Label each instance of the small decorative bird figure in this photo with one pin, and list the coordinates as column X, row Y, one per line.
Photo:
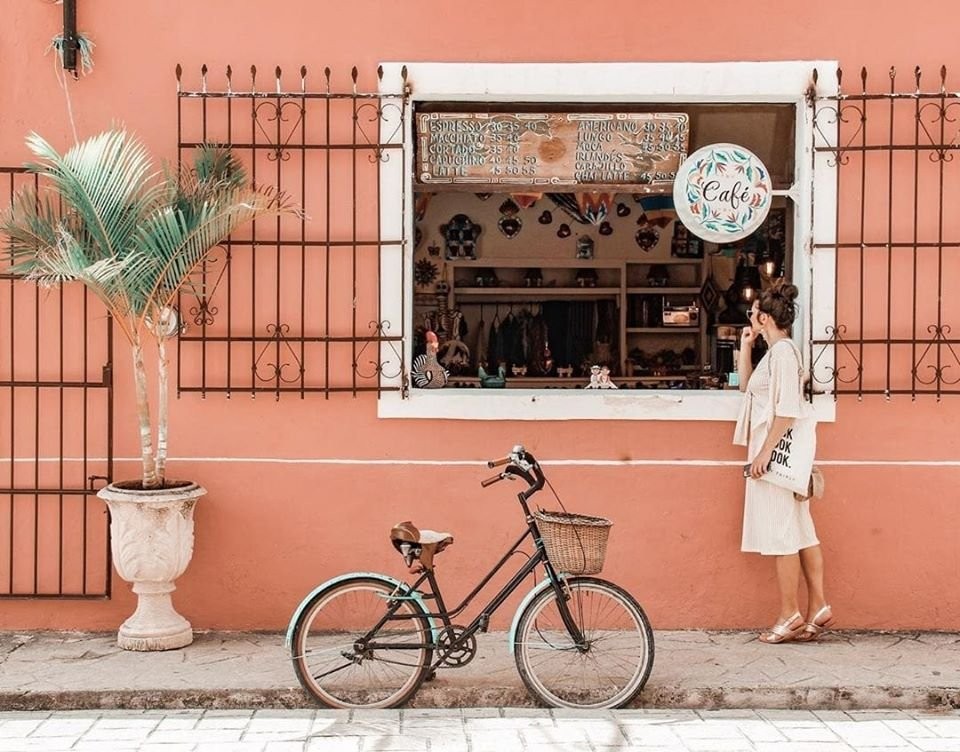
column 427, row 373
column 489, row 381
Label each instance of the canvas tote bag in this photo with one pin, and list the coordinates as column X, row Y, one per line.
column 791, row 464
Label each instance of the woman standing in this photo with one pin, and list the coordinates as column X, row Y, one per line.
column 774, row 522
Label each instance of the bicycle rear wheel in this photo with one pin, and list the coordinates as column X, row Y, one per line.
column 612, row 665
column 342, row 664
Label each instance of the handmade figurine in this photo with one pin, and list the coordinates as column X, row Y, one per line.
column 427, row 373
column 594, row 378
column 600, row 378
column 489, row 381
column 605, row 382
column 454, row 353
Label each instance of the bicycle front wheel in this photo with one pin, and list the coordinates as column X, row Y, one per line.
column 343, row 663
column 608, row 669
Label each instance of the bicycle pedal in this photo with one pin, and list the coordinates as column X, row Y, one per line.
column 431, row 675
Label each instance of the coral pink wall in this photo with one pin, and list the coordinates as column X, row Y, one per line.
column 269, row 530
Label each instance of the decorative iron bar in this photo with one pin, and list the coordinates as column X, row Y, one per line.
column 898, row 237
column 294, row 306
column 56, row 436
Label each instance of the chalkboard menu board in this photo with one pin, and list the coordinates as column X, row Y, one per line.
column 472, row 150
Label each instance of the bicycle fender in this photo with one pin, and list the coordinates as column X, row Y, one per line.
column 512, row 635
column 384, row 578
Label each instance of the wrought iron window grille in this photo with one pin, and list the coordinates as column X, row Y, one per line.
column 897, row 243
column 296, row 309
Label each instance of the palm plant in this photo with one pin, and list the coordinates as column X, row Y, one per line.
column 135, row 237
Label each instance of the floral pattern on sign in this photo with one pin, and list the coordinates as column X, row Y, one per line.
column 722, row 193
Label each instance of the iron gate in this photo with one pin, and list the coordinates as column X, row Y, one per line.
column 897, row 246
column 293, row 305
column 56, row 437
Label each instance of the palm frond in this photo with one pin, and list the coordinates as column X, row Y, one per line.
column 104, row 219
column 217, row 165
column 30, row 224
column 177, row 242
column 106, row 181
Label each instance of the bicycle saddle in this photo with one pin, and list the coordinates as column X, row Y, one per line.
column 425, row 543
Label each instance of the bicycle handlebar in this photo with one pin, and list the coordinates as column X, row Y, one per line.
column 520, row 464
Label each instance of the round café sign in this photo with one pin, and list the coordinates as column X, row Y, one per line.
column 722, row 193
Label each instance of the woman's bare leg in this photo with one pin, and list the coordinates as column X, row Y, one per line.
column 811, row 562
column 788, row 579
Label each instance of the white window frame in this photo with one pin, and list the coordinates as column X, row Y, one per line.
column 662, row 83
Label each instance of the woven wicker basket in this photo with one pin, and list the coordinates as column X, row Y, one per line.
column 575, row 543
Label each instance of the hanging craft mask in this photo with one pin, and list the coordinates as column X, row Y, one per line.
column 509, row 223
column 460, row 236
column 647, row 236
column 510, row 226
column 585, row 247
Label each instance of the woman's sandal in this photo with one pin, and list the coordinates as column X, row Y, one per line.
column 784, row 631
column 814, row 629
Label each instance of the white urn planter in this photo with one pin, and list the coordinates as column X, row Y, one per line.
column 152, row 541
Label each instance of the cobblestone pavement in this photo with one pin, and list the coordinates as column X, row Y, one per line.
column 481, row 730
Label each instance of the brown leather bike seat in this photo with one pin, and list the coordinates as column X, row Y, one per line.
column 430, row 542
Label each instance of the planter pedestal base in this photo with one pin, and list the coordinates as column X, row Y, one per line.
column 155, row 625
column 151, row 537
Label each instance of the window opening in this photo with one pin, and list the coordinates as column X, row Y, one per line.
column 527, row 285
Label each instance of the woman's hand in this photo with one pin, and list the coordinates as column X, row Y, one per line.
column 747, row 337
column 759, row 466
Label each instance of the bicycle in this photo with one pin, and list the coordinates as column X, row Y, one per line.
column 368, row 640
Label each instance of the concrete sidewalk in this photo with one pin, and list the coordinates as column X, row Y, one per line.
column 692, row 669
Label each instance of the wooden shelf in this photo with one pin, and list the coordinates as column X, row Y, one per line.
column 534, row 263
column 575, row 382
column 661, row 329
column 654, row 261
column 663, row 290
column 535, row 292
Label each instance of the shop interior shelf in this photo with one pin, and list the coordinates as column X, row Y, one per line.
column 653, row 261
column 661, row 329
column 575, row 382
column 535, row 292
column 663, row 290
column 534, row 262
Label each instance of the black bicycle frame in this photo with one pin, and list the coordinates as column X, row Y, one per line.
column 482, row 620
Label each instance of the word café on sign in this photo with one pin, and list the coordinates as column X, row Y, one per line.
column 469, row 149
column 722, row 193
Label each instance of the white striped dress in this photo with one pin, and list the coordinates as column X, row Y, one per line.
column 774, row 523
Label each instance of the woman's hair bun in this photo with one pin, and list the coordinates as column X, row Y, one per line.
column 788, row 292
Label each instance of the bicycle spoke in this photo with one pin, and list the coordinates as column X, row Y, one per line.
column 331, row 653
column 615, row 660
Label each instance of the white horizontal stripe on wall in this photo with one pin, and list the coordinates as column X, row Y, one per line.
column 474, row 463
